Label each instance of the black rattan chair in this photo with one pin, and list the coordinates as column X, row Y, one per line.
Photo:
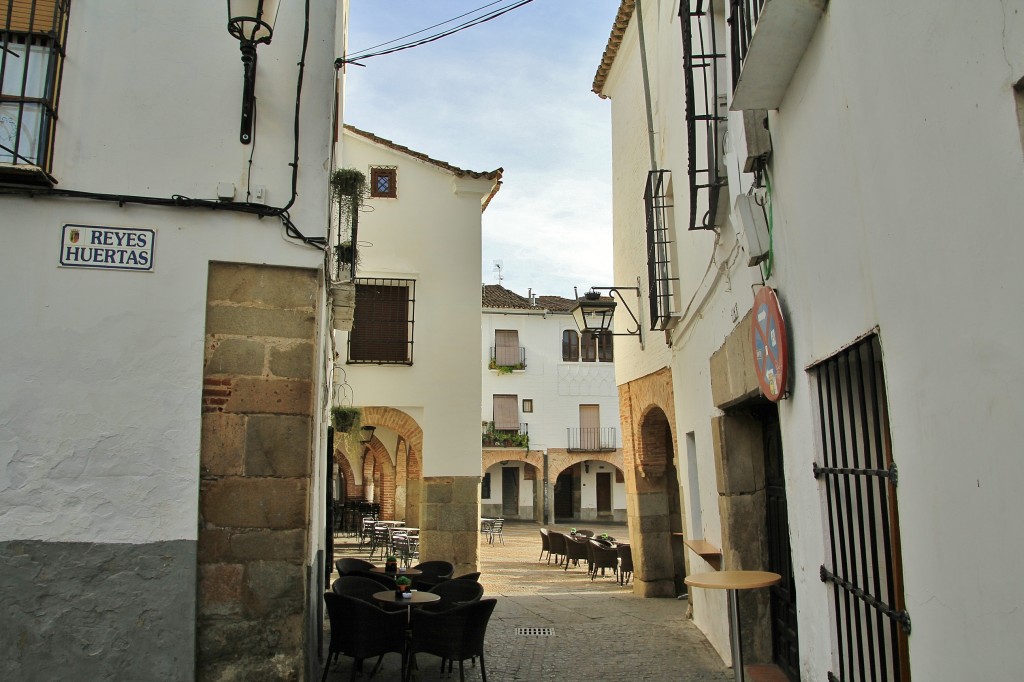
column 556, row 541
column 434, row 572
column 362, row 630
column 625, row 554
column 602, row 557
column 545, row 544
column 453, row 593
column 346, row 565
column 454, row 635
column 359, row 587
column 575, row 550
column 475, row 576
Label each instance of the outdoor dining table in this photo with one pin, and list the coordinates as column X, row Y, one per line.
column 733, row 581
column 401, row 571
column 416, row 598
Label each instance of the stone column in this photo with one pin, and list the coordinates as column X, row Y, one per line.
column 449, row 521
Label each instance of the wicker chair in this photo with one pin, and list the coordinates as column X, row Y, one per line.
column 362, row 630
column 625, row 555
column 454, row 635
column 584, row 533
column 545, row 544
column 434, row 572
column 576, row 550
column 474, row 576
column 453, row 593
column 556, row 543
column 602, row 557
column 348, row 564
column 359, row 587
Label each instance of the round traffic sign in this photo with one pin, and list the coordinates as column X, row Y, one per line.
column 769, row 344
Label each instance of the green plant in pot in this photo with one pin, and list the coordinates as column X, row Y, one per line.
column 402, row 584
column 391, row 564
column 345, row 419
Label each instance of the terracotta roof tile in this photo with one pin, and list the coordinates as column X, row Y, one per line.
column 612, row 48
column 494, row 175
column 497, row 296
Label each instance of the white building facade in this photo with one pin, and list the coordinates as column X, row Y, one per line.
column 408, row 360
column 163, row 341
column 860, row 144
column 552, row 449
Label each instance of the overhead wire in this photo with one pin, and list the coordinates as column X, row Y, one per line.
column 494, row 14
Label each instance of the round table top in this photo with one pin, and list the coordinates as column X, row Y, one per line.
column 388, row 597
column 389, row 523
column 733, row 580
column 401, row 571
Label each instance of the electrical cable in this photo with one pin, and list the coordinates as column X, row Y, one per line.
column 424, row 30
column 365, row 54
column 181, row 201
column 769, row 263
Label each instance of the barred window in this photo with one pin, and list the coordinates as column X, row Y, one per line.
column 382, row 327
column 870, row 623
column 384, row 182
column 32, row 38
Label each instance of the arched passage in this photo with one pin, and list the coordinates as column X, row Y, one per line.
column 402, row 489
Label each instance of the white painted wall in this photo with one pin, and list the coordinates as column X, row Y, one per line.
column 897, row 158
column 557, row 388
column 430, row 233
column 100, row 403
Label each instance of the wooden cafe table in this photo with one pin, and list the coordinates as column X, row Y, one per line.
column 734, row 581
column 416, row 598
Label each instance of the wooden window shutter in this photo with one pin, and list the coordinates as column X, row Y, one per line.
column 570, row 346
column 506, row 412
column 380, row 328
column 506, row 347
column 605, row 352
column 588, row 347
column 24, row 17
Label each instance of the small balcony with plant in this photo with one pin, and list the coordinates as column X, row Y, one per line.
column 505, row 438
column 506, row 360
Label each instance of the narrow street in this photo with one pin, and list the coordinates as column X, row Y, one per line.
column 588, row 630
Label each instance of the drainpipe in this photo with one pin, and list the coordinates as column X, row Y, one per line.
column 647, row 85
column 546, row 519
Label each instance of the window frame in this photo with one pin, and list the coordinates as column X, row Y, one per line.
column 570, row 345
column 29, row 97
column 364, row 323
column 389, row 172
column 588, row 347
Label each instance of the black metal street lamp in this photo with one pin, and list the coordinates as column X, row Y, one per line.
column 594, row 313
column 251, row 22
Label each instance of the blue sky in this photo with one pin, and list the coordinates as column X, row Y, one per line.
column 513, row 92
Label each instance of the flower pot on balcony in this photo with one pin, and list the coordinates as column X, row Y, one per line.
column 343, row 303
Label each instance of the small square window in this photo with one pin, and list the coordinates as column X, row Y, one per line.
column 527, row 404
column 384, row 182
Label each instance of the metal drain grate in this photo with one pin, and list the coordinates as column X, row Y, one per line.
column 535, row 632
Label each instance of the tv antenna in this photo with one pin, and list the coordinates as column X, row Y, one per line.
column 498, row 265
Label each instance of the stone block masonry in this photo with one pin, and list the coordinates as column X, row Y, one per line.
column 256, row 466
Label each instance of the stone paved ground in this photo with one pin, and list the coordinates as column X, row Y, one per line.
column 598, row 630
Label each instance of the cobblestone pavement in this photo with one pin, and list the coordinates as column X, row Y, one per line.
column 592, row 631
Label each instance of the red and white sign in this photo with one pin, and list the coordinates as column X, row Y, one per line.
column 770, row 345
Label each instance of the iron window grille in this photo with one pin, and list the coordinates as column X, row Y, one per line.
column 495, row 435
column 701, row 59
column 743, row 15
column 384, row 321
column 658, row 203
column 384, row 182
column 33, row 34
column 870, row 621
column 514, row 358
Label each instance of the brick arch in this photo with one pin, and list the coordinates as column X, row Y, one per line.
column 655, row 443
column 378, row 467
column 533, row 457
column 352, row 490
column 559, row 463
column 406, row 427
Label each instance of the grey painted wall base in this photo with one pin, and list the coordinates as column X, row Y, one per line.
column 77, row 610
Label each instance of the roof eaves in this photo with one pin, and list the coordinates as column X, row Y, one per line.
column 455, row 170
column 612, row 48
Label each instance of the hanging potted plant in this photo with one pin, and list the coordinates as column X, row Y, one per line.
column 345, row 419
column 348, row 188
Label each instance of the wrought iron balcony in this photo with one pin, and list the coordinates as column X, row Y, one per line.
column 521, row 364
column 592, row 439
column 505, row 438
column 769, row 37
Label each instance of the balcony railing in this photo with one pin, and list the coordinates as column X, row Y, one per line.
column 505, row 438
column 592, row 439
column 743, row 16
column 519, row 365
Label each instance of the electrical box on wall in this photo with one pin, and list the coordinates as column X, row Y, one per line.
column 752, row 226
